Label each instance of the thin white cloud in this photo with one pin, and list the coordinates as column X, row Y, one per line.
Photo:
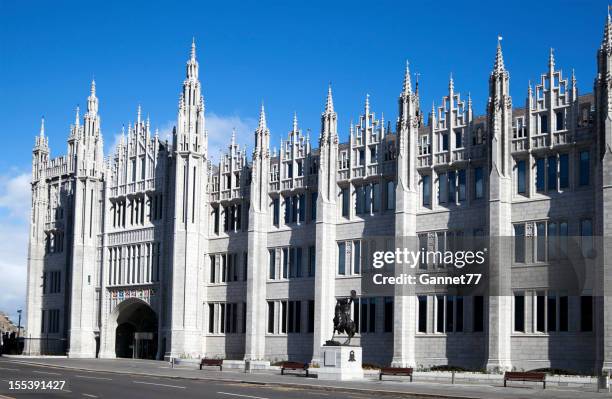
column 220, row 129
column 14, row 215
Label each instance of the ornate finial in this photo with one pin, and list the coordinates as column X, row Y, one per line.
column 351, row 129
column 295, row 122
column 42, row 126
column 499, row 58
column 77, row 117
column 367, row 104
column 233, row 136
column 262, row 118
column 551, row 59
column 139, row 114
column 407, row 82
column 451, row 83
column 416, row 84
column 573, row 77
column 193, row 48
column 607, row 37
column 329, row 105
column 469, row 100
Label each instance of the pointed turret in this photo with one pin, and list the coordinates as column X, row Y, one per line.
column 606, row 42
column 499, row 58
column 329, row 105
column 295, row 123
column 92, row 100
column 551, row 60
column 262, row 118
column 407, row 87
column 367, row 104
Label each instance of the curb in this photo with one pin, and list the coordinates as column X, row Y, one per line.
column 377, row 392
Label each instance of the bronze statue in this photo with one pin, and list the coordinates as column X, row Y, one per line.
column 342, row 319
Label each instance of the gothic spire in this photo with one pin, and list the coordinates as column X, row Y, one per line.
column 607, row 36
column 193, row 49
column 499, row 58
column 77, row 117
column 367, row 104
column 42, row 127
column 329, row 105
column 295, row 122
column 262, row 118
column 92, row 100
column 551, row 60
column 451, row 83
column 407, row 83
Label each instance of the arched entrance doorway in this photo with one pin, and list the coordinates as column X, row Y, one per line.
column 136, row 331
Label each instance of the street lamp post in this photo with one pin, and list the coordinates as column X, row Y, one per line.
column 19, row 324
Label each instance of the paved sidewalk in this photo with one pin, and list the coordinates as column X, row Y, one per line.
column 393, row 386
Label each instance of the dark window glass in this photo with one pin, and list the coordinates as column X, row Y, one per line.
column 422, row 313
column 540, row 174
column 519, row 312
column 552, row 173
column 563, row 313
column 271, row 317
column 388, row 314
column 313, row 205
column 543, row 124
column 452, row 187
column 272, row 269
column 564, row 171
column 345, row 202
column 426, row 190
column 585, row 170
column 586, row 313
column 519, row 243
column 341, row 258
column 479, row 183
column 459, row 314
column 440, row 313
column 540, row 312
column 311, row 316
column 520, row 170
column 552, row 313
column 478, row 314
column 275, row 211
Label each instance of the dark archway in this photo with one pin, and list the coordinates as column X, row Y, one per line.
column 136, row 332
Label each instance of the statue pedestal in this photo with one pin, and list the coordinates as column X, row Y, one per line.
column 340, row 363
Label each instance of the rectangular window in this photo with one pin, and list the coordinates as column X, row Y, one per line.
column 283, row 317
column 552, row 173
column 442, row 188
column 345, row 202
column 275, row 212
column 462, row 188
column 312, row 261
column 422, row 313
column 559, row 118
column 519, row 243
column 520, row 170
column 540, row 311
column 211, row 318
column 586, row 239
column 452, row 187
column 375, row 197
column 444, row 142
column 563, row 313
column 311, row 316
column 551, row 311
column 543, row 123
column 459, row 314
column 390, row 195
column 360, row 199
column 552, row 240
column 458, row 139
column 540, row 174
column 222, row 314
column 541, row 241
column 519, row 312
column 271, row 317
column 478, row 316
column 564, row 171
column 285, row 262
column 213, row 266
column 388, row 314
column 585, row 168
column 478, row 183
column 440, row 313
column 356, row 257
column 450, row 313
column 287, row 204
column 245, row 266
column 586, row 313
column 313, row 205
column 272, row 264
column 426, row 186
column 341, row 258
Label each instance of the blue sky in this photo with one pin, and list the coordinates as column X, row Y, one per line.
column 283, row 53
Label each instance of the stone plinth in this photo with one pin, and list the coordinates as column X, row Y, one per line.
column 340, row 363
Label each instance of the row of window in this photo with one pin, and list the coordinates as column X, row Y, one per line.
column 288, row 262
column 134, row 211
column 295, row 208
column 550, row 312
column 545, row 241
column 232, row 218
column 452, row 186
column 134, row 264
column 552, row 173
column 225, row 267
column 449, row 314
column 50, row 321
column 368, row 198
column 223, row 318
column 54, row 242
column 52, row 282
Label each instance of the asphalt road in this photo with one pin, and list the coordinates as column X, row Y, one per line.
column 82, row 384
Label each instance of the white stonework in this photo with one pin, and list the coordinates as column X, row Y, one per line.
column 340, row 363
column 241, row 260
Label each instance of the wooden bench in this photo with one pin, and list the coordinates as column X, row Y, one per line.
column 525, row 376
column 407, row 371
column 212, row 362
column 294, row 366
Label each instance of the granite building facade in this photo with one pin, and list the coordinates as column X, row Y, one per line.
column 157, row 252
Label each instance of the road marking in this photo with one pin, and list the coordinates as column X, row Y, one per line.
column 242, row 396
column 6, row 368
column 161, row 385
column 94, row 378
column 89, row 396
column 45, row 372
